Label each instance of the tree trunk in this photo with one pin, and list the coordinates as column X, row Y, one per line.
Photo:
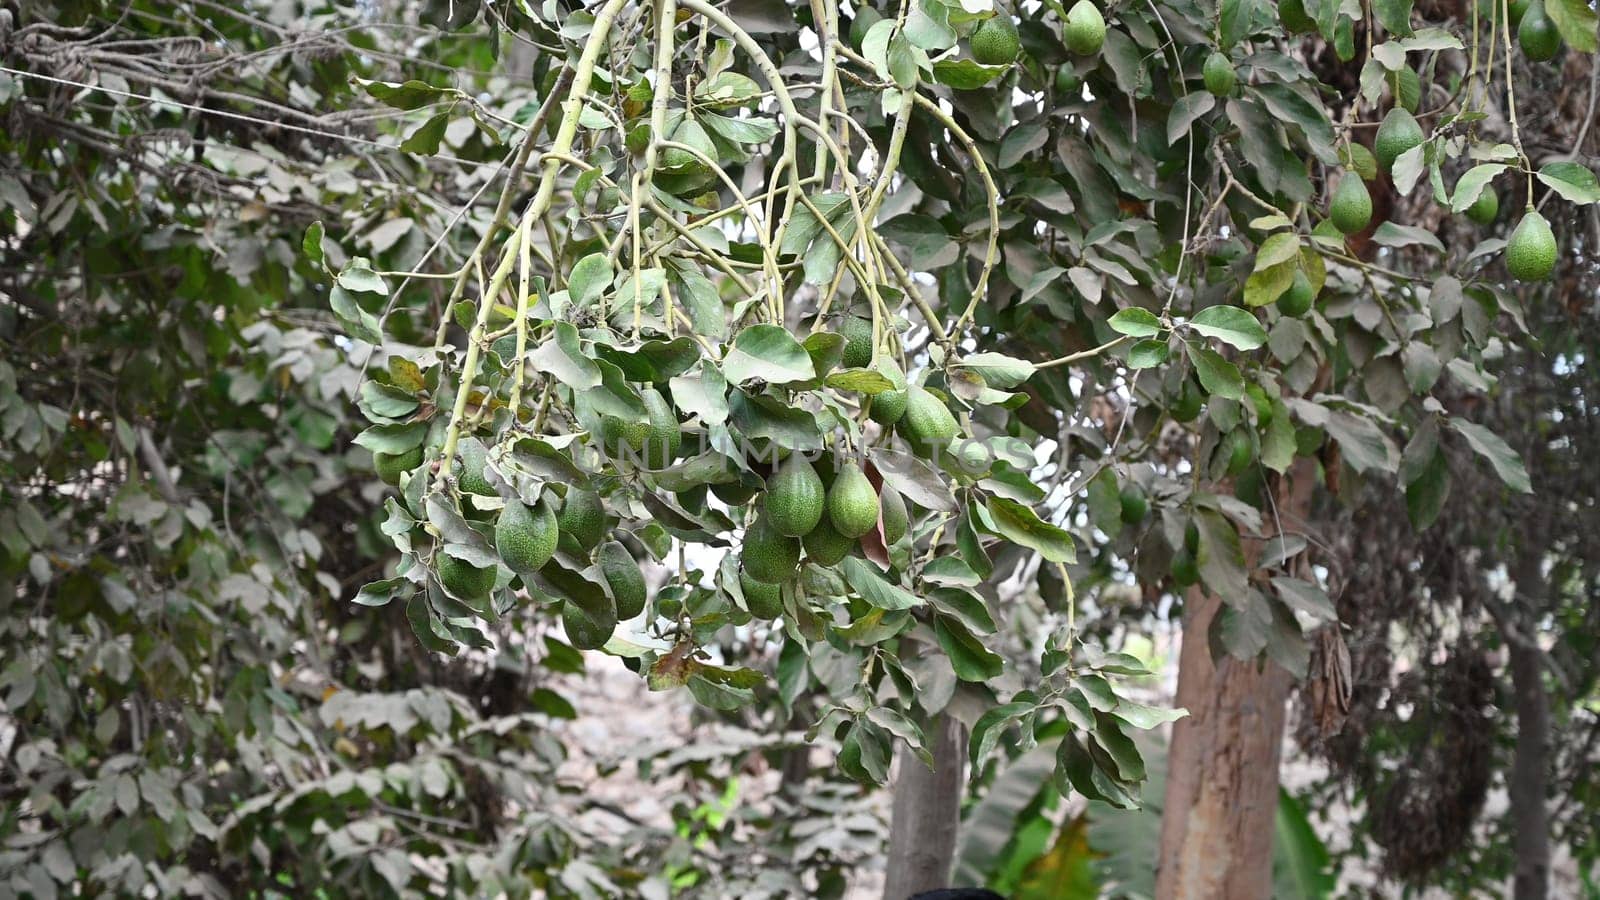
column 1222, row 770
column 1222, row 778
column 927, row 813
column 1530, row 816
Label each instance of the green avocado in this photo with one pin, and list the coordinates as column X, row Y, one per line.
column 463, row 580
column 852, row 503
column 1351, row 206
column 474, row 458
column 896, row 520
column 995, row 41
column 623, row 576
column 663, row 439
column 1085, row 31
column 825, row 546
column 390, row 466
column 1297, row 300
column 1398, row 133
column 1531, row 250
column 857, row 333
column 795, row 497
column 769, row 555
column 526, row 538
column 927, row 424
column 582, row 519
column 764, row 601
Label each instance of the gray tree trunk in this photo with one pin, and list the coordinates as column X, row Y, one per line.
column 927, row 813
column 1530, row 765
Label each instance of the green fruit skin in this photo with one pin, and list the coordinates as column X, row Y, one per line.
column 1292, row 13
column 463, row 580
column 1237, row 447
column 995, row 42
column 582, row 518
column 1351, row 207
column 896, row 520
column 1537, row 35
column 852, row 503
column 623, row 576
column 390, row 466
column 795, row 497
column 1219, row 75
column 1531, row 251
column 825, row 546
column 765, row 601
column 857, row 334
column 1519, row 8
column 474, row 456
column 1398, row 133
column 1134, row 504
column 1486, row 208
column 1068, row 84
column 1296, row 301
column 663, row 439
column 589, row 629
column 927, row 424
column 1086, row 29
column 887, row 407
column 1184, row 571
column 526, row 538
column 622, row 438
column 769, row 556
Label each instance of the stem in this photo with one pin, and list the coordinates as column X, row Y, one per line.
column 525, row 263
column 1511, row 100
column 582, row 77
column 1082, row 354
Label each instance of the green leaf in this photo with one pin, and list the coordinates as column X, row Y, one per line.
column 998, row 370
column 1220, row 557
column 1504, row 460
column 379, row 593
column 1135, row 322
column 1145, row 717
column 1266, row 286
column 1148, row 354
column 1573, row 181
column 1428, row 490
column 1301, row 866
column 1277, row 249
column 589, row 279
column 1231, row 325
column 425, row 140
column 770, row 353
column 393, row 438
column 1576, row 21
column 311, row 246
column 1021, row 525
column 1185, row 111
column 563, row 356
column 968, row 656
column 1306, row 597
column 727, row 89
column 409, row 95
column 1391, row 235
column 1471, row 184
column 860, row 381
column 1218, row 376
column 965, row 74
column 1393, row 15
column 1234, row 19
column 1363, row 445
column 865, row 580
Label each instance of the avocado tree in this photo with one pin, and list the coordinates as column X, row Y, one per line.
column 841, row 316
column 782, row 274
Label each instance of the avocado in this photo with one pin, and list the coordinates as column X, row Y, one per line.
column 582, row 518
column 852, row 503
column 825, row 546
column 390, row 466
column 764, row 601
column 769, row 555
column 927, row 424
column 623, row 576
column 463, row 580
column 1531, row 251
column 526, row 538
column 795, row 496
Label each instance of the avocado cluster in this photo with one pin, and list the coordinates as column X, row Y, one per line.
column 799, row 512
